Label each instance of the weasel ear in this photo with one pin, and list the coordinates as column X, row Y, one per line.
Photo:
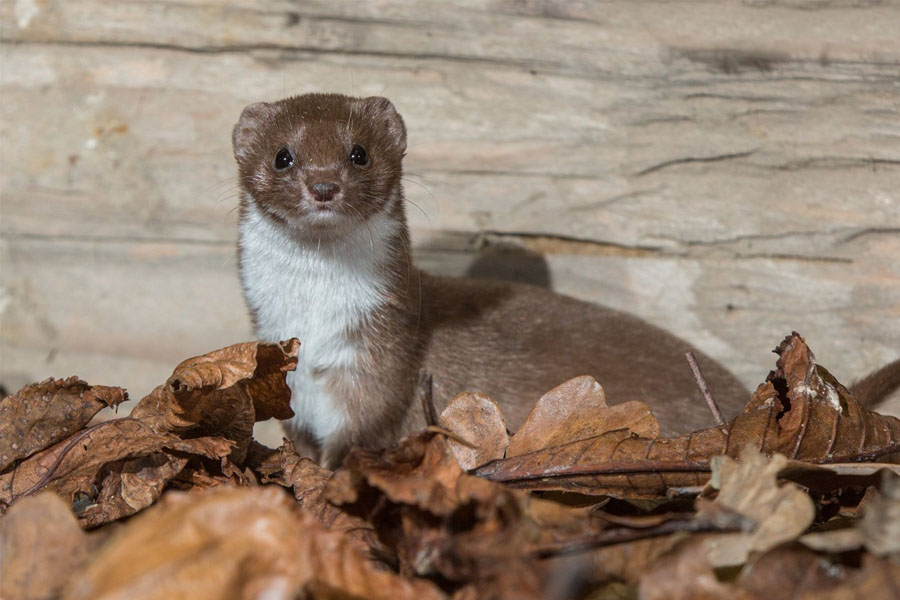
column 383, row 111
column 248, row 126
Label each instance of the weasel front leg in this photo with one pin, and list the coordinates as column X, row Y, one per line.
column 305, row 444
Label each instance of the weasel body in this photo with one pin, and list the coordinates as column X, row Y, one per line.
column 324, row 255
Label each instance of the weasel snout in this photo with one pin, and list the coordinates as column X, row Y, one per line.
column 324, row 191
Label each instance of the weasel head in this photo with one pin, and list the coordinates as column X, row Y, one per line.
column 321, row 164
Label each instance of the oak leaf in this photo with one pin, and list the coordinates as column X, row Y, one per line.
column 576, row 410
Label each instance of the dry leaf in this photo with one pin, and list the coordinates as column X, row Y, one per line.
column 235, row 543
column 576, row 410
column 307, row 480
column 132, row 485
column 750, row 487
column 791, row 570
column 41, row 547
column 878, row 579
column 475, row 418
column 41, row 414
column 223, row 393
column 86, row 469
column 686, row 575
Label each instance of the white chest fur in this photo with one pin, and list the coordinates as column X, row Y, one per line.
column 317, row 292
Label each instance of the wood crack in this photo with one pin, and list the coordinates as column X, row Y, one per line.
column 694, row 159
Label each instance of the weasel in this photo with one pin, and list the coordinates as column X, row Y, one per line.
column 324, row 256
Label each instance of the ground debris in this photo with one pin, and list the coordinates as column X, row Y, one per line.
column 797, row 497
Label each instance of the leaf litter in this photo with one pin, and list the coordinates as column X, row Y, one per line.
column 797, row 497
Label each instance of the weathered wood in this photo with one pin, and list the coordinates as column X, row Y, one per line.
column 727, row 170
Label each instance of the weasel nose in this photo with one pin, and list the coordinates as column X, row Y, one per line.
column 323, row 192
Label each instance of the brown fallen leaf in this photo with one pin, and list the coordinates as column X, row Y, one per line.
column 41, row 414
column 685, row 574
column 41, row 547
column 223, row 393
column 791, row 570
column 307, row 480
column 749, row 486
column 235, row 543
column 625, row 562
column 130, row 486
column 475, row 418
column 576, row 410
column 96, row 470
column 801, row 412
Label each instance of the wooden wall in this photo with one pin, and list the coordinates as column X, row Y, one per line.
column 728, row 170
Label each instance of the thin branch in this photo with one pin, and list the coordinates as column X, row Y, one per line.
column 704, row 389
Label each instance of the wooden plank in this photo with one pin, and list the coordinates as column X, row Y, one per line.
column 717, row 168
column 607, row 37
column 728, row 170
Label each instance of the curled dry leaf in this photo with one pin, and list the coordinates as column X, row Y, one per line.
column 98, row 472
column 41, row 414
column 475, row 418
column 750, row 487
column 223, row 393
column 801, row 411
column 235, row 543
column 41, row 547
column 576, row 410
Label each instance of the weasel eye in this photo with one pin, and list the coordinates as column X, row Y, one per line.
column 283, row 159
column 358, row 156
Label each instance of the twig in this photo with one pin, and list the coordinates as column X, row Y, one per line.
column 620, row 535
column 704, row 389
column 426, row 393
